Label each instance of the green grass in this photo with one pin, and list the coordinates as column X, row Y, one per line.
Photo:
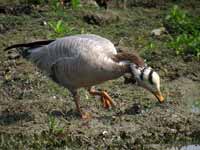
column 75, row 3
column 185, row 31
column 54, row 127
column 61, row 28
column 45, row 140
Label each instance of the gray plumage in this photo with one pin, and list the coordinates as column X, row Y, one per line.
column 86, row 60
column 77, row 61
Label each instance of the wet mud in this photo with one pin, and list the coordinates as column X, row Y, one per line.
column 42, row 115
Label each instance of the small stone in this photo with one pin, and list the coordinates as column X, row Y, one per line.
column 173, row 130
column 158, row 32
column 44, row 23
column 91, row 3
column 114, row 117
column 188, row 58
column 105, row 133
column 8, row 77
column 100, row 18
column 86, row 96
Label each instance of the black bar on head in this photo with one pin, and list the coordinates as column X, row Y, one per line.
column 142, row 73
column 151, row 77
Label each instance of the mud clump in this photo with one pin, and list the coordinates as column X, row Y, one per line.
column 100, row 18
column 8, row 118
column 135, row 109
column 138, row 3
column 36, row 113
column 16, row 9
column 147, row 3
column 3, row 28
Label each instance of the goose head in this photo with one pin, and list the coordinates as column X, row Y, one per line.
column 147, row 78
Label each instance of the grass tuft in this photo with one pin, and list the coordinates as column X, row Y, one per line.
column 185, row 31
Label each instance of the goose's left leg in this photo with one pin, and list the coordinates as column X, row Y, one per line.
column 105, row 98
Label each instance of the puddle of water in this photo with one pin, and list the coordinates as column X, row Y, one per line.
column 188, row 147
column 189, row 93
column 196, row 107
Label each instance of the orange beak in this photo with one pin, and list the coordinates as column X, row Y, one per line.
column 159, row 96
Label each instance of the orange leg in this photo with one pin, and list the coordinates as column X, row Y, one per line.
column 83, row 115
column 105, row 98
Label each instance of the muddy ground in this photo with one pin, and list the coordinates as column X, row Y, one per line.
column 35, row 113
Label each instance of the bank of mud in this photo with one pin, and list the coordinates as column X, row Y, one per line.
column 36, row 113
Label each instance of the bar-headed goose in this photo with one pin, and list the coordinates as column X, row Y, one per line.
column 86, row 60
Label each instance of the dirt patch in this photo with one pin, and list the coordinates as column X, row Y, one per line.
column 3, row 28
column 147, row 3
column 16, row 9
column 42, row 115
column 104, row 18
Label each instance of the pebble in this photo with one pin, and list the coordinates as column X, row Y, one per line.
column 158, row 32
column 105, row 133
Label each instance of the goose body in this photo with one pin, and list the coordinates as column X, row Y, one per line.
column 78, row 61
column 81, row 61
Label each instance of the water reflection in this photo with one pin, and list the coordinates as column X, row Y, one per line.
column 188, row 147
column 196, row 107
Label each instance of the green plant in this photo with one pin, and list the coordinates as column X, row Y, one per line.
column 75, row 3
column 186, row 44
column 149, row 48
column 60, row 29
column 57, row 8
column 185, row 31
column 54, row 126
column 55, row 5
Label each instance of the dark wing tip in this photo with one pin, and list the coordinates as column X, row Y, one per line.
column 30, row 45
column 9, row 47
column 15, row 46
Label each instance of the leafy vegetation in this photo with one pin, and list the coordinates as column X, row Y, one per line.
column 57, row 8
column 185, row 30
column 53, row 137
column 60, row 29
column 45, row 140
column 75, row 3
column 54, row 126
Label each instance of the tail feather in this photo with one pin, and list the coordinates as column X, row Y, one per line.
column 30, row 45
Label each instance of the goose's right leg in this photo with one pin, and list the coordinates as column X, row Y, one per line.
column 83, row 115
